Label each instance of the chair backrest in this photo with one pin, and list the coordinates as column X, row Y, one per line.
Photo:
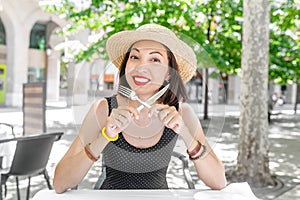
column 32, row 153
column 185, row 169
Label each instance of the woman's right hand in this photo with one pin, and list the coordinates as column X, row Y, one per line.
column 119, row 119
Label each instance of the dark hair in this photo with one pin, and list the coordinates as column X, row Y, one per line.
column 176, row 91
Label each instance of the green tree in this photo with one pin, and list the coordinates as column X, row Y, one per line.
column 193, row 19
column 285, row 42
column 189, row 18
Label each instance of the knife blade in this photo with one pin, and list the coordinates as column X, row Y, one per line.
column 156, row 96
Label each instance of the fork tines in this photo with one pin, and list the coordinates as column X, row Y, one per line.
column 125, row 91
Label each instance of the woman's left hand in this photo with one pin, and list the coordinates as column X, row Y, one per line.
column 168, row 115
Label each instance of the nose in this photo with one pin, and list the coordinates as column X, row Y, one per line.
column 142, row 66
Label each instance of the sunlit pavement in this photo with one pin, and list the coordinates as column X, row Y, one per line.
column 221, row 130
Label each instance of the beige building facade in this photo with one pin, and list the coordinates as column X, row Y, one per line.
column 22, row 63
column 22, row 22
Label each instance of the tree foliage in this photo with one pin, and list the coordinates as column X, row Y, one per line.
column 215, row 25
column 285, row 42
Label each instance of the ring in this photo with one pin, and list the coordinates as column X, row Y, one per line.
column 113, row 127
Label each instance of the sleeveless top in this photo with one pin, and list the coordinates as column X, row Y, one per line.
column 129, row 167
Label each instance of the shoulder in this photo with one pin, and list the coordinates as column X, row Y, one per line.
column 93, row 121
column 185, row 108
column 100, row 106
column 187, row 111
column 98, row 110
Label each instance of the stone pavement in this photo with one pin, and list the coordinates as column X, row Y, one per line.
column 221, row 130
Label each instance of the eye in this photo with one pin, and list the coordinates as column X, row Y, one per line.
column 155, row 60
column 133, row 57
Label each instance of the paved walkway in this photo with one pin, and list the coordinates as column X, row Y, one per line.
column 221, row 129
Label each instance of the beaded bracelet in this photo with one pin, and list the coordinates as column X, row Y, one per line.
column 89, row 153
column 107, row 137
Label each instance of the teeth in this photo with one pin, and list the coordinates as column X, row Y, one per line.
column 143, row 80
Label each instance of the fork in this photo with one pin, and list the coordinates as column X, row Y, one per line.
column 131, row 95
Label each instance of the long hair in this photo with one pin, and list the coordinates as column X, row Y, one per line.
column 176, row 92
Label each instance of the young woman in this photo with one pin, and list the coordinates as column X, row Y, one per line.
column 137, row 145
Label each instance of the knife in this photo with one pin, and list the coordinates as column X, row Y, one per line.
column 156, row 96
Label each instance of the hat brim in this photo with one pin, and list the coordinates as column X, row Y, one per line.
column 118, row 45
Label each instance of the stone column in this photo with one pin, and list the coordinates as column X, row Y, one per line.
column 17, row 62
column 53, row 74
column 233, row 89
column 213, row 90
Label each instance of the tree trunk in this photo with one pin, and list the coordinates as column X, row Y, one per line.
column 253, row 161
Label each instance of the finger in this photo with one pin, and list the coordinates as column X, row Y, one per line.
column 170, row 116
column 122, row 121
column 121, row 115
column 176, row 128
column 156, row 108
column 163, row 114
column 112, row 132
column 125, row 114
column 111, row 128
column 114, row 121
column 174, row 121
column 174, row 124
column 133, row 111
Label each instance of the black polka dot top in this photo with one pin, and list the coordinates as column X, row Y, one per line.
column 129, row 167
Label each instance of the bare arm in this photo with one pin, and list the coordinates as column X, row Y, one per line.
column 209, row 168
column 75, row 164
column 186, row 123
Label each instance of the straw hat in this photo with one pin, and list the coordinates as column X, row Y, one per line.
column 118, row 44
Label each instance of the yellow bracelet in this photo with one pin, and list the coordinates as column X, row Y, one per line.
column 107, row 137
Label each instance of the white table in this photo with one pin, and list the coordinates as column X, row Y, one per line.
column 236, row 191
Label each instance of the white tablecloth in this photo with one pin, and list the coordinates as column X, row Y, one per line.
column 235, row 191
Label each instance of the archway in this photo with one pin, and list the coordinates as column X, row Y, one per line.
column 44, row 62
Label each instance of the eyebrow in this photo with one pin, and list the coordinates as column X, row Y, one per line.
column 135, row 49
column 153, row 52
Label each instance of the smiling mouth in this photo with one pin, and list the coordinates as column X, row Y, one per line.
column 141, row 80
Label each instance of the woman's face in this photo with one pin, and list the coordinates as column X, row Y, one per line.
column 147, row 66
